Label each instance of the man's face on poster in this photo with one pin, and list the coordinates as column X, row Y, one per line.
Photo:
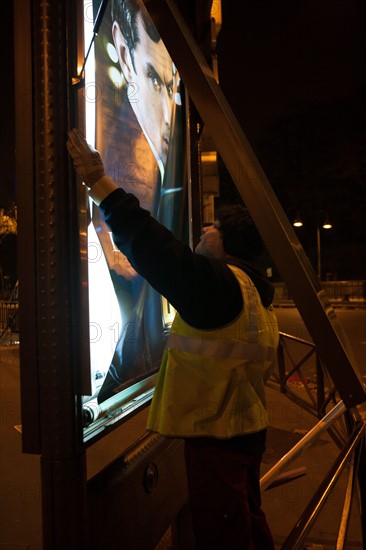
column 150, row 78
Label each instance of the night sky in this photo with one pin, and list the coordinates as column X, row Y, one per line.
column 294, row 74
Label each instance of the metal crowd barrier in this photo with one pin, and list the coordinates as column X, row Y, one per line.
column 338, row 292
column 347, row 428
column 9, row 323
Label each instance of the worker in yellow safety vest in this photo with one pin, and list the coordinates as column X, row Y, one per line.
column 220, row 350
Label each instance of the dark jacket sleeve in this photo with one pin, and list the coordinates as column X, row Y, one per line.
column 203, row 290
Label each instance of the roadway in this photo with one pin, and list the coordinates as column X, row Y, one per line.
column 353, row 321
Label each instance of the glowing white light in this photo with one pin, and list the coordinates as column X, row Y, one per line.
column 111, row 51
column 116, row 77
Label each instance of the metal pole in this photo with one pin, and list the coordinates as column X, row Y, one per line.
column 297, row 536
column 318, row 249
column 313, row 434
column 281, row 365
column 320, row 390
column 57, row 261
column 342, row 533
column 361, row 478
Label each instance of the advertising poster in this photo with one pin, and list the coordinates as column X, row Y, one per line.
column 134, row 117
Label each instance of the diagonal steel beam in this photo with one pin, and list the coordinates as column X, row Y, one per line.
column 261, row 201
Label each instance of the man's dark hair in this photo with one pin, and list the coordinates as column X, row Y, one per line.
column 125, row 13
column 240, row 236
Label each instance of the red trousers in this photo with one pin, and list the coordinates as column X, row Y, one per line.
column 224, row 498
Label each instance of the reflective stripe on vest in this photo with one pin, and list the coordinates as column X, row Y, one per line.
column 213, row 348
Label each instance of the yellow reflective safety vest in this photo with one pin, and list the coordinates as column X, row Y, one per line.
column 211, row 382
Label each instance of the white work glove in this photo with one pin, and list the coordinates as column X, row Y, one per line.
column 87, row 161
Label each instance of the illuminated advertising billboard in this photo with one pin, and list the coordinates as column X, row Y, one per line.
column 134, row 115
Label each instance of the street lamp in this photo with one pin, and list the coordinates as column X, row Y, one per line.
column 297, row 221
column 325, row 224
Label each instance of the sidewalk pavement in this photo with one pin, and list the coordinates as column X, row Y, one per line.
column 288, row 423
column 20, row 513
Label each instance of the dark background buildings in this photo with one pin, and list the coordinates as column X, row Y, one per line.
column 294, row 74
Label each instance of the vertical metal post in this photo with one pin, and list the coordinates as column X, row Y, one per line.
column 318, row 252
column 361, row 478
column 26, row 223
column 320, row 392
column 49, row 270
column 63, row 468
column 281, row 365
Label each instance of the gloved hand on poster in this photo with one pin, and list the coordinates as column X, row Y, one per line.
column 87, row 161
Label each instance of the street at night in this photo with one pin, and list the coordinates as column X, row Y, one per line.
column 272, row 119
column 352, row 320
column 20, row 476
